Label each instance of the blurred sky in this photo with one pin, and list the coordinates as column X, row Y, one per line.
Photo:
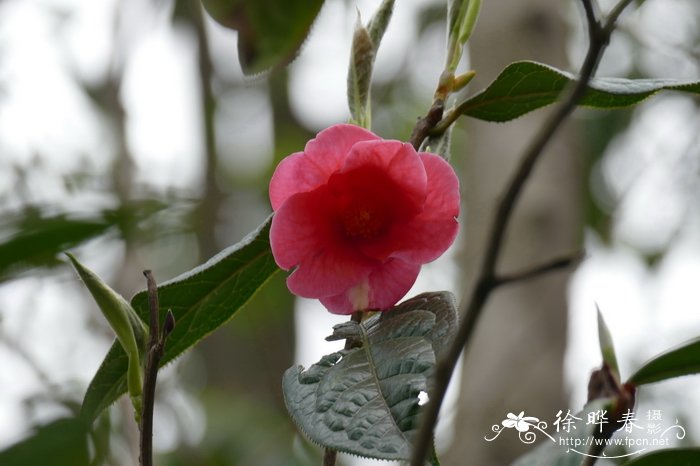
column 649, row 176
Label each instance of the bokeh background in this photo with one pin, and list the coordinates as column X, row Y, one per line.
column 129, row 135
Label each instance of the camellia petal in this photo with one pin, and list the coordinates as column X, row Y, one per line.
column 385, row 287
column 303, row 236
column 398, row 161
column 331, row 146
column 328, row 272
column 299, row 228
column 436, row 227
column 429, row 233
column 294, row 175
column 322, row 156
column 391, row 282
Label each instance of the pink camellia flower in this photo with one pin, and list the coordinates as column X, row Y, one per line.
column 356, row 216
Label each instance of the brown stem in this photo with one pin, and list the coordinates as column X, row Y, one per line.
column 154, row 350
column 487, row 281
column 427, row 123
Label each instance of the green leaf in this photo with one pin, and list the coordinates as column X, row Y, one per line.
column 130, row 329
column 270, row 32
column 63, row 442
column 37, row 236
column 670, row 457
column 365, row 400
column 202, row 300
column 607, row 349
column 34, row 239
column 461, row 19
column 526, row 86
column 684, row 360
column 440, row 303
column 454, row 11
column 469, row 20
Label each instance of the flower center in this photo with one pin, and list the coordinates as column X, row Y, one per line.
column 362, row 221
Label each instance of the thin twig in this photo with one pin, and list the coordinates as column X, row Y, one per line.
column 487, row 281
column 590, row 7
column 155, row 347
column 149, row 386
column 615, row 14
column 538, row 270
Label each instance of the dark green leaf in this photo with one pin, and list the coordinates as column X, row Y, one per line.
column 684, row 360
column 202, row 300
column 38, row 236
column 270, row 32
column 670, row 457
column 526, row 86
column 364, row 400
column 63, row 442
column 34, row 239
column 440, row 303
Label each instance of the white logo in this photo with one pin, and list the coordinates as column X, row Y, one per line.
column 566, row 425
